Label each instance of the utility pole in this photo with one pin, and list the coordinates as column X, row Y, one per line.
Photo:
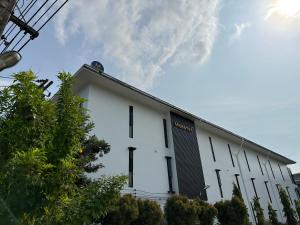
column 6, row 8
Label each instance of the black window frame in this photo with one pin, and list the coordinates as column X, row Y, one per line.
column 130, row 165
column 230, row 152
column 131, row 121
column 237, row 180
column 245, row 154
column 271, row 169
column 291, row 175
column 281, row 172
column 261, row 169
column 219, row 182
column 170, row 173
column 253, row 184
column 287, row 190
column 212, row 148
column 266, row 184
column 166, row 133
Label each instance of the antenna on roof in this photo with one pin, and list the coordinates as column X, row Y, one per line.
column 97, row 66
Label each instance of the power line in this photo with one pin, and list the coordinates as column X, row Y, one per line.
column 4, row 77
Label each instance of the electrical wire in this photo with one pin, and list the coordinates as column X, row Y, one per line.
column 27, row 23
column 62, row 5
column 18, row 42
column 4, row 77
column 13, row 26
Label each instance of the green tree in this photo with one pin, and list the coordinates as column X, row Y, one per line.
column 288, row 210
column 45, row 154
column 179, row 210
column 272, row 215
column 124, row 213
column 258, row 211
column 297, row 204
column 150, row 213
column 206, row 212
column 236, row 192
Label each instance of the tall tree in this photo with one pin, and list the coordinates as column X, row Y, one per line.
column 258, row 211
column 288, row 210
column 272, row 215
column 45, row 155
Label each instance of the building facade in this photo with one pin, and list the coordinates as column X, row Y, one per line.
column 164, row 149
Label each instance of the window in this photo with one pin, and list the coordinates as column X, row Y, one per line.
column 165, row 133
column 287, row 190
column 271, row 168
column 130, row 174
column 237, row 180
column 131, row 121
column 262, row 172
column 169, row 167
column 266, row 184
column 297, row 193
column 247, row 160
column 212, row 149
column 231, row 155
column 280, row 171
column 291, row 176
column 254, row 188
column 219, row 182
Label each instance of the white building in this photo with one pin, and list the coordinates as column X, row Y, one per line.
column 164, row 149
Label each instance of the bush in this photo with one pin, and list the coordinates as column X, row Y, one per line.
column 288, row 211
column 232, row 212
column 179, row 210
column 258, row 211
column 150, row 213
column 297, row 204
column 273, row 220
column 206, row 212
column 125, row 212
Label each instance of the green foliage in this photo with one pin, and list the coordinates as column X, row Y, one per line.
column 150, row 213
column 124, row 213
column 179, row 210
column 236, row 192
column 297, row 204
column 272, row 215
column 232, row 212
column 206, row 212
column 45, row 156
column 288, row 211
column 260, row 218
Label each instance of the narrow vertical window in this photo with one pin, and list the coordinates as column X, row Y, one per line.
column 231, row 155
column 237, row 180
column 131, row 121
column 297, row 193
column 130, row 174
column 291, row 175
column 212, row 149
column 280, row 171
column 271, row 168
column 287, row 190
column 219, row 182
column 254, row 188
column 169, row 167
column 247, row 160
column 261, row 169
column 166, row 133
column 266, row 184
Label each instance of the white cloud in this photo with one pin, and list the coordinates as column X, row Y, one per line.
column 140, row 37
column 238, row 31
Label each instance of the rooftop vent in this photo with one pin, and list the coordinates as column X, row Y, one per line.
column 97, row 66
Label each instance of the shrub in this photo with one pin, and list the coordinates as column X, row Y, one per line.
column 236, row 192
column 150, row 213
column 297, row 204
column 179, row 210
column 258, row 211
column 232, row 212
column 206, row 212
column 125, row 212
column 272, row 216
column 288, row 211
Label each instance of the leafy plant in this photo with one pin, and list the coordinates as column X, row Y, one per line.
column 179, row 210
column 259, row 212
column 288, row 210
column 272, row 215
column 206, row 212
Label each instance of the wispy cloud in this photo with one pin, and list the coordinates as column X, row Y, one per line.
column 239, row 29
column 140, row 37
column 284, row 8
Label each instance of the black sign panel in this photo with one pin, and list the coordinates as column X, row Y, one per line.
column 188, row 164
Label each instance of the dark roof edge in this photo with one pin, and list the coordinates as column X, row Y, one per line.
column 288, row 161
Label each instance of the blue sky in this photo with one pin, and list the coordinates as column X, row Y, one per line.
column 234, row 63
